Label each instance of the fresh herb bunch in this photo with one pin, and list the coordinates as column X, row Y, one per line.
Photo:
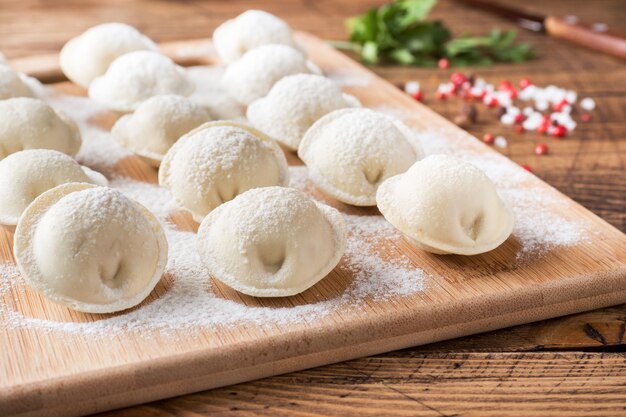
column 398, row 32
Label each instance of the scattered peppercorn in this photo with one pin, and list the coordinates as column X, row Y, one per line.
column 541, row 149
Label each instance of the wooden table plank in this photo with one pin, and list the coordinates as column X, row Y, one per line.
column 589, row 167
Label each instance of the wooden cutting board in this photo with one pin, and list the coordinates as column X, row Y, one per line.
column 46, row 372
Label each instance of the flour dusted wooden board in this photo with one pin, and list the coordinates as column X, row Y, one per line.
column 536, row 274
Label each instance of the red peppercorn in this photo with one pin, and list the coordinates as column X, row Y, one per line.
column 543, row 128
column 527, row 168
column 524, row 82
column 494, row 102
column 519, row 129
column 457, row 78
column 559, row 131
column 418, row 95
column 489, row 138
column 519, row 118
column 441, row 95
column 512, row 93
column 443, row 63
column 559, row 106
column 585, row 117
column 541, row 149
column 505, row 85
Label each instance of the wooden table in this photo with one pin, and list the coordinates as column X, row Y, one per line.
column 569, row 366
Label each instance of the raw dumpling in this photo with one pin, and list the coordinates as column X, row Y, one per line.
column 446, row 205
column 13, row 83
column 135, row 77
column 88, row 55
column 29, row 123
column 27, row 174
column 294, row 104
column 249, row 30
column 218, row 161
column 156, row 124
column 350, row 152
column 254, row 74
column 271, row 242
column 90, row 248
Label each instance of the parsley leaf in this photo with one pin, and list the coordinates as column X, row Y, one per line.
column 398, row 32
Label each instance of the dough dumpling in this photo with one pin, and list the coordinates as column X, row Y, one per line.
column 90, row 248
column 218, row 161
column 29, row 123
column 13, row 83
column 446, row 205
column 156, row 124
column 249, row 30
column 27, row 174
column 350, row 152
column 254, row 74
column 294, row 104
column 88, row 55
column 271, row 242
column 135, row 77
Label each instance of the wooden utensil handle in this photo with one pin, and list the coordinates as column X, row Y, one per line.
column 608, row 42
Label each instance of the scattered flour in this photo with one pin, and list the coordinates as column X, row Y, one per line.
column 190, row 301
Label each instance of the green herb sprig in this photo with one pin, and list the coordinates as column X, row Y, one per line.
column 398, row 32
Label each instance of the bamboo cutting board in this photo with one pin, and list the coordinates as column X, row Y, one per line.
column 47, row 372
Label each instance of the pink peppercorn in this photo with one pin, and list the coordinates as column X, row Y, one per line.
column 559, row 131
column 443, row 63
column 524, row 82
column 541, row 149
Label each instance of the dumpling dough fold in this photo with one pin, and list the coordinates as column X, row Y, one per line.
column 350, row 152
column 294, row 104
column 90, row 248
column 271, row 242
column 218, row 161
column 446, row 205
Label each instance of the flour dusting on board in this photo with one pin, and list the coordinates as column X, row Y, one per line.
column 190, row 301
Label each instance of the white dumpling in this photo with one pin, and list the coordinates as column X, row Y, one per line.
column 250, row 30
column 293, row 104
column 271, row 242
column 253, row 75
column 350, row 152
column 446, row 205
column 89, row 54
column 135, row 77
column 13, row 83
column 29, row 123
column 218, row 161
column 157, row 124
column 90, row 248
column 27, row 174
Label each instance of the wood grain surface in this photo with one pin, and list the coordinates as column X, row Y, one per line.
column 588, row 167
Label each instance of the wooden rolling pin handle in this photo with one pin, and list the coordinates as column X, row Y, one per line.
column 605, row 41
